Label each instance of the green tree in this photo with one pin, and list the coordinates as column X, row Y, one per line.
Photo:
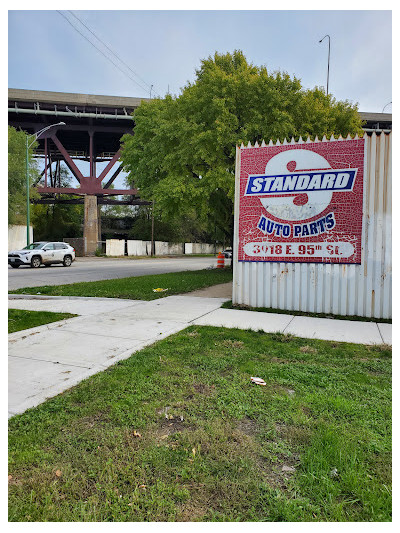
column 188, row 230
column 182, row 153
column 54, row 222
column 17, row 175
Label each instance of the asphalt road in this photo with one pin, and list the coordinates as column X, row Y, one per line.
column 97, row 268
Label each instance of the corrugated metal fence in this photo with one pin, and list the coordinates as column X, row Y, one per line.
column 362, row 290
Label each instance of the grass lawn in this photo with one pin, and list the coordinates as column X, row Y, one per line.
column 178, row 433
column 138, row 288
column 19, row 319
column 230, row 305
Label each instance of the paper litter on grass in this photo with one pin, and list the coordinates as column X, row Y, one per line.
column 257, row 381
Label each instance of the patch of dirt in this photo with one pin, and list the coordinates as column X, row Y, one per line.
column 278, row 474
column 282, row 337
column 307, row 349
column 14, row 480
column 228, row 343
column 203, row 388
column 296, row 434
column 306, row 410
column 248, row 427
column 226, row 372
column 171, row 426
column 193, row 511
column 379, row 348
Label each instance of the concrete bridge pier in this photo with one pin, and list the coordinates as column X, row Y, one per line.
column 90, row 224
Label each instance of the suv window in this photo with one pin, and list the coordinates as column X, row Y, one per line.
column 49, row 246
column 60, row 246
column 34, row 246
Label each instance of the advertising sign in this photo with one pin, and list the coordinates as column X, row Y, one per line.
column 301, row 202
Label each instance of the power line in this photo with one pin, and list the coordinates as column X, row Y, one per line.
column 101, row 52
column 108, row 48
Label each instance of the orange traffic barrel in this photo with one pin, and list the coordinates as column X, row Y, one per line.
column 220, row 260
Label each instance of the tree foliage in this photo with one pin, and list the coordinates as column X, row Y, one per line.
column 187, row 231
column 182, row 153
column 54, row 222
column 17, row 175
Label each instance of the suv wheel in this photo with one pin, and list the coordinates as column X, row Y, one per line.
column 36, row 261
column 67, row 261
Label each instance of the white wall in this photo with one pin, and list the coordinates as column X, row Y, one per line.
column 17, row 237
column 160, row 248
column 201, row 248
column 115, row 247
column 139, row 247
column 175, row 248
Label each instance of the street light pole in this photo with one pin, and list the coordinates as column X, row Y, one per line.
column 329, row 55
column 36, row 136
column 386, row 106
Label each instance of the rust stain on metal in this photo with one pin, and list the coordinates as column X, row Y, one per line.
column 376, row 174
column 385, row 176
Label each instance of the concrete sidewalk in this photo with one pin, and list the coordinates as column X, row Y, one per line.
column 47, row 360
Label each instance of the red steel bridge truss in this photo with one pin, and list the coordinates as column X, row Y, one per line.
column 93, row 128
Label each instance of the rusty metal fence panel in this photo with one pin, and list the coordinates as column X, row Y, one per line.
column 340, row 289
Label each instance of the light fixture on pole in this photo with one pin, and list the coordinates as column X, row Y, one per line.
column 36, row 136
column 386, row 106
column 329, row 55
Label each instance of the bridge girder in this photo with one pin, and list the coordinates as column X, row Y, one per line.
column 93, row 131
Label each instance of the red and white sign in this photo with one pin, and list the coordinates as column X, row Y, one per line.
column 301, row 202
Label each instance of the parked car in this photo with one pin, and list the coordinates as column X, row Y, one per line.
column 227, row 253
column 42, row 253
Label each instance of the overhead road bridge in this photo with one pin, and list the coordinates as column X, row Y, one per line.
column 376, row 122
column 92, row 134
column 94, row 125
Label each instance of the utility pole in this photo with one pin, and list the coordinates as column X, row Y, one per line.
column 329, row 55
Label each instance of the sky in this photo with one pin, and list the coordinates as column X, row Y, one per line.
column 164, row 48
column 143, row 53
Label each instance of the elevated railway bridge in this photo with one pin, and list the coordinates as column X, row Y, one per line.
column 93, row 129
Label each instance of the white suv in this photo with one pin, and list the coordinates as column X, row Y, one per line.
column 42, row 253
